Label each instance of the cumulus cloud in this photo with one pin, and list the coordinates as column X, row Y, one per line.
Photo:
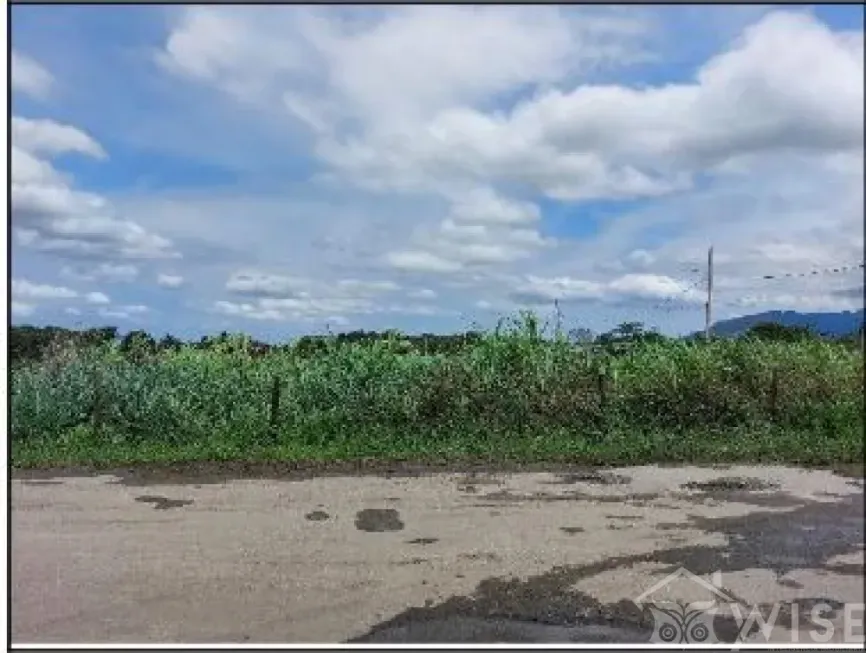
column 523, row 163
column 24, row 289
column 169, row 280
column 102, row 272
column 29, row 77
column 534, row 290
column 49, row 215
column 46, row 137
column 421, row 115
column 254, row 283
column 125, row 312
column 281, row 297
column 97, row 298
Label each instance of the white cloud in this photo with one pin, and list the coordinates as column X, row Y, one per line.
column 473, row 170
column 49, row 138
column 364, row 287
column 50, row 216
column 97, row 298
column 103, row 271
column 29, row 77
column 126, row 312
column 541, row 290
column 422, row 127
column 255, row 283
column 169, row 280
column 420, row 261
column 510, row 104
column 259, row 54
column 24, row 289
column 247, row 310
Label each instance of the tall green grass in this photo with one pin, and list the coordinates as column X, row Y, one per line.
column 512, row 395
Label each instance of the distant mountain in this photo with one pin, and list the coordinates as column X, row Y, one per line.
column 828, row 324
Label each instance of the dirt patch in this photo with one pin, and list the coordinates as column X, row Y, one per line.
column 317, row 515
column 484, row 555
column 163, row 503
column 479, row 478
column 730, row 484
column 572, row 530
column 625, row 517
column 734, row 489
column 506, row 496
column 592, row 477
column 423, row 541
column 378, row 520
column 852, row 470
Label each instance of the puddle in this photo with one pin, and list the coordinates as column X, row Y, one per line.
column 163, row 503
column 378, row 520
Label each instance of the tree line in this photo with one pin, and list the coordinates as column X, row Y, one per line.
column 29, row 343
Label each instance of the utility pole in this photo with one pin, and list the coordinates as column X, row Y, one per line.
column 709, row 307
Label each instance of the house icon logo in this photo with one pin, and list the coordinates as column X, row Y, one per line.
column 686, row 623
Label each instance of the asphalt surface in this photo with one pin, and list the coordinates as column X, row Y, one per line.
column 431, row 556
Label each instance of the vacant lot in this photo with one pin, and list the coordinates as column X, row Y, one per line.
column 213, row 554
column 508, row 395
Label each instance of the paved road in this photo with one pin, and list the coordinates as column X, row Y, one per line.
column 544, row 556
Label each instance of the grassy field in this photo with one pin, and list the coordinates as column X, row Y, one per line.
column 511, row 396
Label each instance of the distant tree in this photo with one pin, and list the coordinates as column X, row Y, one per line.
column 169, row 343
column 775, row 332
column 137, row 345
column 581, row 336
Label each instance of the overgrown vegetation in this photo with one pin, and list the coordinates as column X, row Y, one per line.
column 629, row 397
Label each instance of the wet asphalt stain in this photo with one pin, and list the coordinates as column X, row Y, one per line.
column 804, row 538
column 624, row 517
column 572, row 530
column 592, row 476
column 760, row 499
column 423, row 540
column 846, row 568
column 163, row 503
column 317, row 515
column 484, row 555
column 730, row 483
column 479, row 478
column 750, row 491
column 505, row 496
column 378, row 520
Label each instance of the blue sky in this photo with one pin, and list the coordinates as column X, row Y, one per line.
column 280, row 170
